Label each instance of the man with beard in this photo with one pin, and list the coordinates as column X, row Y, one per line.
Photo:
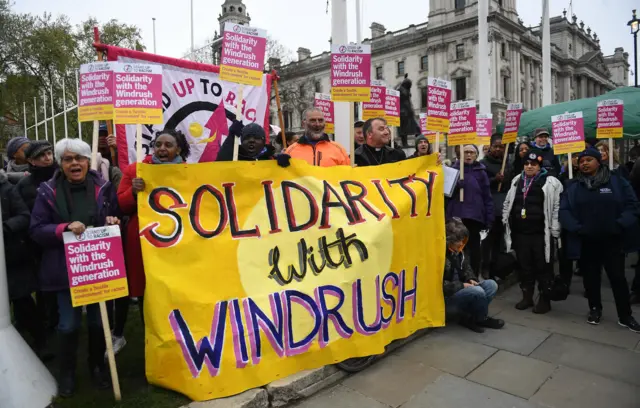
column 375, row 150
column 314, row 146
column 252, row 145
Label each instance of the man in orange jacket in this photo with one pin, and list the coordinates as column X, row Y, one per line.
column 315, row 147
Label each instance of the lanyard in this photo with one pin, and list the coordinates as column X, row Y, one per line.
column 527, row 187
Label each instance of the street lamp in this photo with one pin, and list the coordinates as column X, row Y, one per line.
column 634, row 24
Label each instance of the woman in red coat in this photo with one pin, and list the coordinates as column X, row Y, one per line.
column 169, row 147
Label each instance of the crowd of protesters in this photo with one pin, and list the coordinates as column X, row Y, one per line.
column 526, row 209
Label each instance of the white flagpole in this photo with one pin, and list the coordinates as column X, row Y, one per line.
column 359, row 41
column 64, row 109
column 35, row 115
column 53, row 117
column 154, row 36
column 546, row 55
column 44, row 108
column 78, row 106
column 343, row 110
column 484, row 76
column 24, row 116
column 192, row 42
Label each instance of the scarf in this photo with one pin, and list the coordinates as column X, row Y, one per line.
column 41, row 174
column 602, row 177
column 12, row 167
column 68, row 210
column 176, row 160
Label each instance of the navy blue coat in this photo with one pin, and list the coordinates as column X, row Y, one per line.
column 607, row 212
column 47, row 227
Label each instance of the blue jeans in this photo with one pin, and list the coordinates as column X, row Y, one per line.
column 474, row 300
column 71, row 317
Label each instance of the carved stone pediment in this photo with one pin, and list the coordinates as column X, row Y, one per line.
column 505, row 71
column 460, row 72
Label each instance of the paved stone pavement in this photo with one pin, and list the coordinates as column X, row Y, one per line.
column 555, row 360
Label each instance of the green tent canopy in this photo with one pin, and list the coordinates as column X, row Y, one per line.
column 541, row 117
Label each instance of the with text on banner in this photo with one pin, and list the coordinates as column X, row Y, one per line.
column 324, row 102
column 512, row 122
column 568, row 133
column 484, row 125
column 95, row 265
column 438, row 104
column 138, row 89
column 375, row 107
column 610, row 117
column 462, row 129
column 95, row 91
column 429, row 134
column 298, row 268
column 243, row 51
column 392, row 107
column 351, row 72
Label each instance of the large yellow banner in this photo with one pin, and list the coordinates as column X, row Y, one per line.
column 255, row 272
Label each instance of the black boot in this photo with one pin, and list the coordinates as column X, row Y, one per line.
column 97, row 367
column 544, row 304
column 67, row 356
column 527, row 299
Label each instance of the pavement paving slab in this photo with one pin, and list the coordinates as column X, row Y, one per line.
column 449, row 391
column 512, row 373
column 340, row 397
column 608, row 361
column 512, row 337
column 446, row 353
column 571, row 388
column 393, row 380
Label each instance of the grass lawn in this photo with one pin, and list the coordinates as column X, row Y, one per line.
column 136, row 392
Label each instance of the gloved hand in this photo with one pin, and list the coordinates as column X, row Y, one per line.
column 283, row 160
column 236, row 128
column 460, row 183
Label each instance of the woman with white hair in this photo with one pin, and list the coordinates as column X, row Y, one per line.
column 74, row 199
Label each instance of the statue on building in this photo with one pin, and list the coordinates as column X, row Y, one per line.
column 408, row 123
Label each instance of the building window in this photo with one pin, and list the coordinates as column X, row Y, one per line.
column 356, row 109
column 521, row 65
column 522, row 95
column 461, row 89
column 503, row 50
column 500, row 3
column 287, row 119
column 400, row 67
column 379, row 73
column 505, row 87
column 459, row 51
column 423, row 97
column 318, row 87
column 459, row 4
column 301, row 91
column 531, row 69
column 424, row 63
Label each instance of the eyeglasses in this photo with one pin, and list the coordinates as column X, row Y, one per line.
column 71, row 159
column 470, row 152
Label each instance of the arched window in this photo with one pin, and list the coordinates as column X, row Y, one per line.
column 232, row 8
column 239, row 9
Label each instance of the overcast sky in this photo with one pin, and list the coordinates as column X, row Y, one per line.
column 310, row 25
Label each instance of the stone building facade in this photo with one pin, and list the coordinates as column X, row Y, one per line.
column 446, row 47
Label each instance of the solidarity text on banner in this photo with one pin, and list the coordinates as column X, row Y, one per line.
column 254, row 274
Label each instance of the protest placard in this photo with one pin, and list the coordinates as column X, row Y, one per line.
column 324, row 102
column 568, row 133
column 438, row 104
column 610, row 117
column 462, row 128
column 512, row 122
column 351, row 72
column 392, row 107
column 429, row 134
column 375, row 107
column 242, row 56
column 138, row 93
column 484, row 125
column 95, row 91
column 95, row 265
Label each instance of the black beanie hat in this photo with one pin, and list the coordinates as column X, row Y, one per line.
column 253, row 129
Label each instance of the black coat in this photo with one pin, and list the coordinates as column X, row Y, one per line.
column 365, row 156
column 21, row 273
column 493, row 167
column 226, row 152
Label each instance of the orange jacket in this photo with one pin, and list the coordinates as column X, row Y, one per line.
column 324, row 153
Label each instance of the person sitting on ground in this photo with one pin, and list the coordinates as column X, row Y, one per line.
column 74, row 199
column 358, row 134
column 541, row 142
column 375, row 150
column 18, row 166
column 600, row 213
column 314, row 146
column 253, row 145
column 462, row 293
column 530, row 218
